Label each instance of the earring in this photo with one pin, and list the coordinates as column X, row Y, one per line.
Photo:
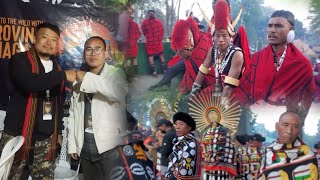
column 290, row 36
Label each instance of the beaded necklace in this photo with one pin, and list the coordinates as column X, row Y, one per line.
column 220, row 65
column 278, row 65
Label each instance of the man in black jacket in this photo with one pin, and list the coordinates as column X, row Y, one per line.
column 166, row 127
column 35, row 107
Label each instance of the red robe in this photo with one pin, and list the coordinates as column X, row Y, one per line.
column 133, row 37
column 294, row 80
column 193, row 63
column 153, row 30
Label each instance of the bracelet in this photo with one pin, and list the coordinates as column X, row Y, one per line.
column 203, row 69
column 231, row 81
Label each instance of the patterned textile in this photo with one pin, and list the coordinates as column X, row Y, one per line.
column 185, row 160
column 249, row 160
column 134, row 35
column 291, row 161
column 294, row 80
column 153, row 30
column 39, row 167
column 192, row 64
column 133, row 163
column 218, row 153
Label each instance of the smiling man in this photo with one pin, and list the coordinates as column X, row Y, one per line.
column 289, row 157
column 280, row 73
column 35, row 107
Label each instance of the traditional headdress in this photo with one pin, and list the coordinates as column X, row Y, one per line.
column 222, row 18
column 180, row 38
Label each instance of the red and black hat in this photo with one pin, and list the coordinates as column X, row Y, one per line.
column 222, row 18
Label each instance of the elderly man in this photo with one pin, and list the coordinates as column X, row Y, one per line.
column 288, row 157
column 185, row 160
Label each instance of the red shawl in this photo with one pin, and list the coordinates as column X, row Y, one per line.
column 193, row 63
column 153, row 30
column 293, row 81
column 134, row 35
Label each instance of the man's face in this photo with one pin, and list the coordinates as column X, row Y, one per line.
column 255, row 143
column 182, row 128
column 221, row 39
column 95, row 53
column 288, row 128
column 46, row 43
column 162, row 128
column 278, row 28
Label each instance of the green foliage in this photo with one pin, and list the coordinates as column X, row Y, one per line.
column 315, row 18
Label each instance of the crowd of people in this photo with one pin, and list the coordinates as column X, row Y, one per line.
column 107, row 139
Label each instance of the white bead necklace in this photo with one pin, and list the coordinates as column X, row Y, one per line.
column 220, row 65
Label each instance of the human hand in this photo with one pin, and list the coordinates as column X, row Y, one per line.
column 59, row 141
column 74, row 156
column 80, row 75
column 195, row 89
column 70, row 75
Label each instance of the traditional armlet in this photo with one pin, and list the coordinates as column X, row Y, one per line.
column 203, row 69
column 231, row 81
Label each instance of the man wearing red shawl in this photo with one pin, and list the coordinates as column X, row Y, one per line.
column 153, row 30
column 131, row 52
column 280, row 74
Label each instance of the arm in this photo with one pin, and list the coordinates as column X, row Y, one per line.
column 113, row 86
column 23, row 78
column 166, row 146
column 200, row 77
column 72, row 148
column 234, row 72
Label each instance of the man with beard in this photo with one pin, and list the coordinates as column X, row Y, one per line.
column 35, row 107
column 166, row 127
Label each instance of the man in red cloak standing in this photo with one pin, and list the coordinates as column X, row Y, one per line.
column 153, row 30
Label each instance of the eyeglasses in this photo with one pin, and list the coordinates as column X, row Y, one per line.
column 96, row 50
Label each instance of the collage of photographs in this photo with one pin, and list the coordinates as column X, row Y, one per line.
column 159, row 90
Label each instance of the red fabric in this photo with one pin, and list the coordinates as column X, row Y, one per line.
column 153, row 30
column 241, row 93
column 180, row 38
column 193, row 63
column 134, row 35
column 293, row 81
column 221, row 15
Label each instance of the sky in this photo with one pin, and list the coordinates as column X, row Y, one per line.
column 269, row 115
column 298, row 7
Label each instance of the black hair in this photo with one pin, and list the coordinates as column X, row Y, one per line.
column 284, row 14
column 97, row 37
column 50, row 26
